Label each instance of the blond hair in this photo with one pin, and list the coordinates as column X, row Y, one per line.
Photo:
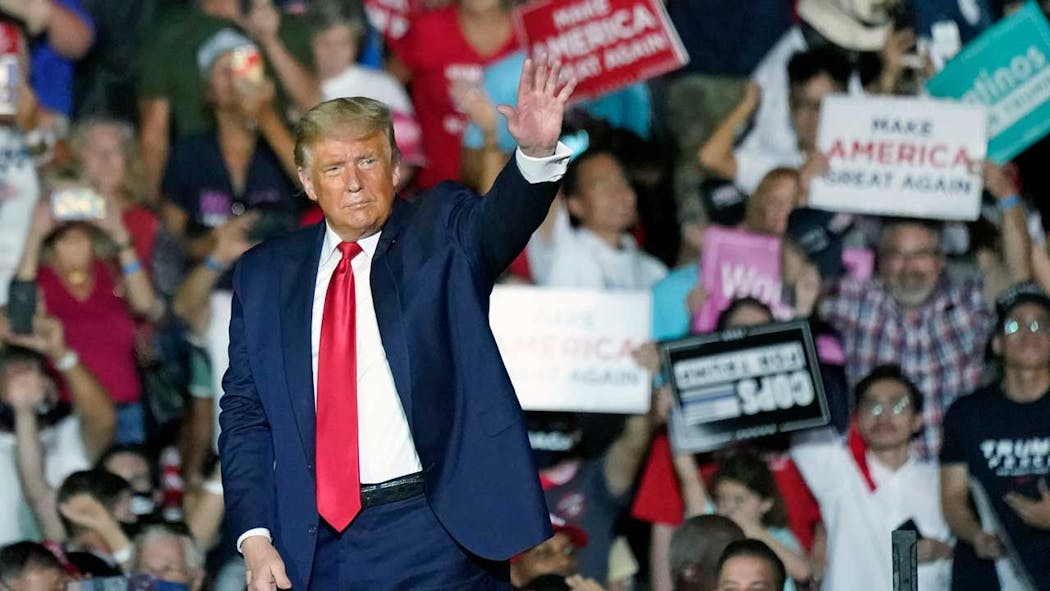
column 134, row 185
column 357, row 117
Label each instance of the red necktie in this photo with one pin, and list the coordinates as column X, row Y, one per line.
column 338, row 473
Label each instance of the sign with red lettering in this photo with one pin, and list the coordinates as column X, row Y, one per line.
column 570, row 350
column 606, row 44
column 901, row 156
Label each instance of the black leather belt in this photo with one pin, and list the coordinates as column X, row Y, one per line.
column 390, row 491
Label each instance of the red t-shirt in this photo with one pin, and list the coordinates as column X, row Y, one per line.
column 142, row 225
column 100, row 329
column 437, row 53
column 659, row 499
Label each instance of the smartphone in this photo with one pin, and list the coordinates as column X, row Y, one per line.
column 76, row 204
column 21, row 306
column 247, row 65
column 9, row 77
column 271, row 223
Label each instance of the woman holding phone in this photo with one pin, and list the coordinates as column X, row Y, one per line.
column 88, row 275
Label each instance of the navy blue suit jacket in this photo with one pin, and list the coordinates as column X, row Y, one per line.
column 432, row 275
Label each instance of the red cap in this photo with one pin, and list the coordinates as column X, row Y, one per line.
column 10, row 38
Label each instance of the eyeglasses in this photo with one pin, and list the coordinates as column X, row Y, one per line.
column 878, row 409
column 924, row 254
column 1014, row 326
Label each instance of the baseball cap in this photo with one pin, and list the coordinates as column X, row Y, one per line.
column 1022, row 293
column 820, row 234
column 577, row 536
column 217, row 45
column 723, row 201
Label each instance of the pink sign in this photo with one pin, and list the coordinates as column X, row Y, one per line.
column 606, row 44
column 734, row 265
column 859, row 262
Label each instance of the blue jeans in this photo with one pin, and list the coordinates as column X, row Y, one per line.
column 131, row 423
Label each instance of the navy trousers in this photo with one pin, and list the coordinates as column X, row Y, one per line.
column 400, row 545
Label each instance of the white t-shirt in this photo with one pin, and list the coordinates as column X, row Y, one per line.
column 575, row 257
column 63, row 454
column 772, row 142
column 19, row 191
column 360, row 81
column 860, row 522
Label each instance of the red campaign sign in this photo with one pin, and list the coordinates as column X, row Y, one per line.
column 607, row 44
column 392, row 17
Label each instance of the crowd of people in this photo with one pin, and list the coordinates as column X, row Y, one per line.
column 145, row 145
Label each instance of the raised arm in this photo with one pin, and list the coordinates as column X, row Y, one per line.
column 91, row 402
column 24, row 389
column 1016, row 243
column 500, row 224
column 716, row 155
column 68, row 33
column 263, row 22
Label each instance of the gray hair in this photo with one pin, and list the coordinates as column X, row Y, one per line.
column 357, row 117
column 193, row 556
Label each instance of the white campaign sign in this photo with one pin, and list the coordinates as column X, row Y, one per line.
column 570, row 350
column 901, row 156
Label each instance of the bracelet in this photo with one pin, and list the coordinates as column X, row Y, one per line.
column 212, row 486
column 67, row 361
column 211, row 263
column 131, row 268
column 1010, row 202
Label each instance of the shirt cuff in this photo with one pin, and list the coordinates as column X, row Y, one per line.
column 544, row 170
column 255, row 531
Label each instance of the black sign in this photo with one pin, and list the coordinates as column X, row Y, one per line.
column 743, row 383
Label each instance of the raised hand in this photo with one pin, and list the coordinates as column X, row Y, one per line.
column 47, row 337
column 86, row 511
column 536, row 122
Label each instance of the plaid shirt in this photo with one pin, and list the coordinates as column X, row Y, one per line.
column 940, row 347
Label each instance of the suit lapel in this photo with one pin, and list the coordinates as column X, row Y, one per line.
column 386, row 297
column 298, row 278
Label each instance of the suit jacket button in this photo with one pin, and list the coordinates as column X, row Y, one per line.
column 312, row 529
column 310, row 467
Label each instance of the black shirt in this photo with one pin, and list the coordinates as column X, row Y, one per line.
column 1005, row 445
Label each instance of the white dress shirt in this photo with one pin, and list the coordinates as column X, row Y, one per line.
column 860, row 522
column 385, row 446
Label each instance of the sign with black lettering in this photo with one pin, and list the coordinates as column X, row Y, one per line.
column 901, row 156
column 743, row 383
column 605, row 44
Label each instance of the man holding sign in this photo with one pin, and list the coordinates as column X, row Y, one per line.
column 914, row 314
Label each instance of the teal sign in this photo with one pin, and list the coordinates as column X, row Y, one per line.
column 1007, row 69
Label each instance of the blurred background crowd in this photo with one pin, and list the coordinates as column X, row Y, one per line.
column 146, row 144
